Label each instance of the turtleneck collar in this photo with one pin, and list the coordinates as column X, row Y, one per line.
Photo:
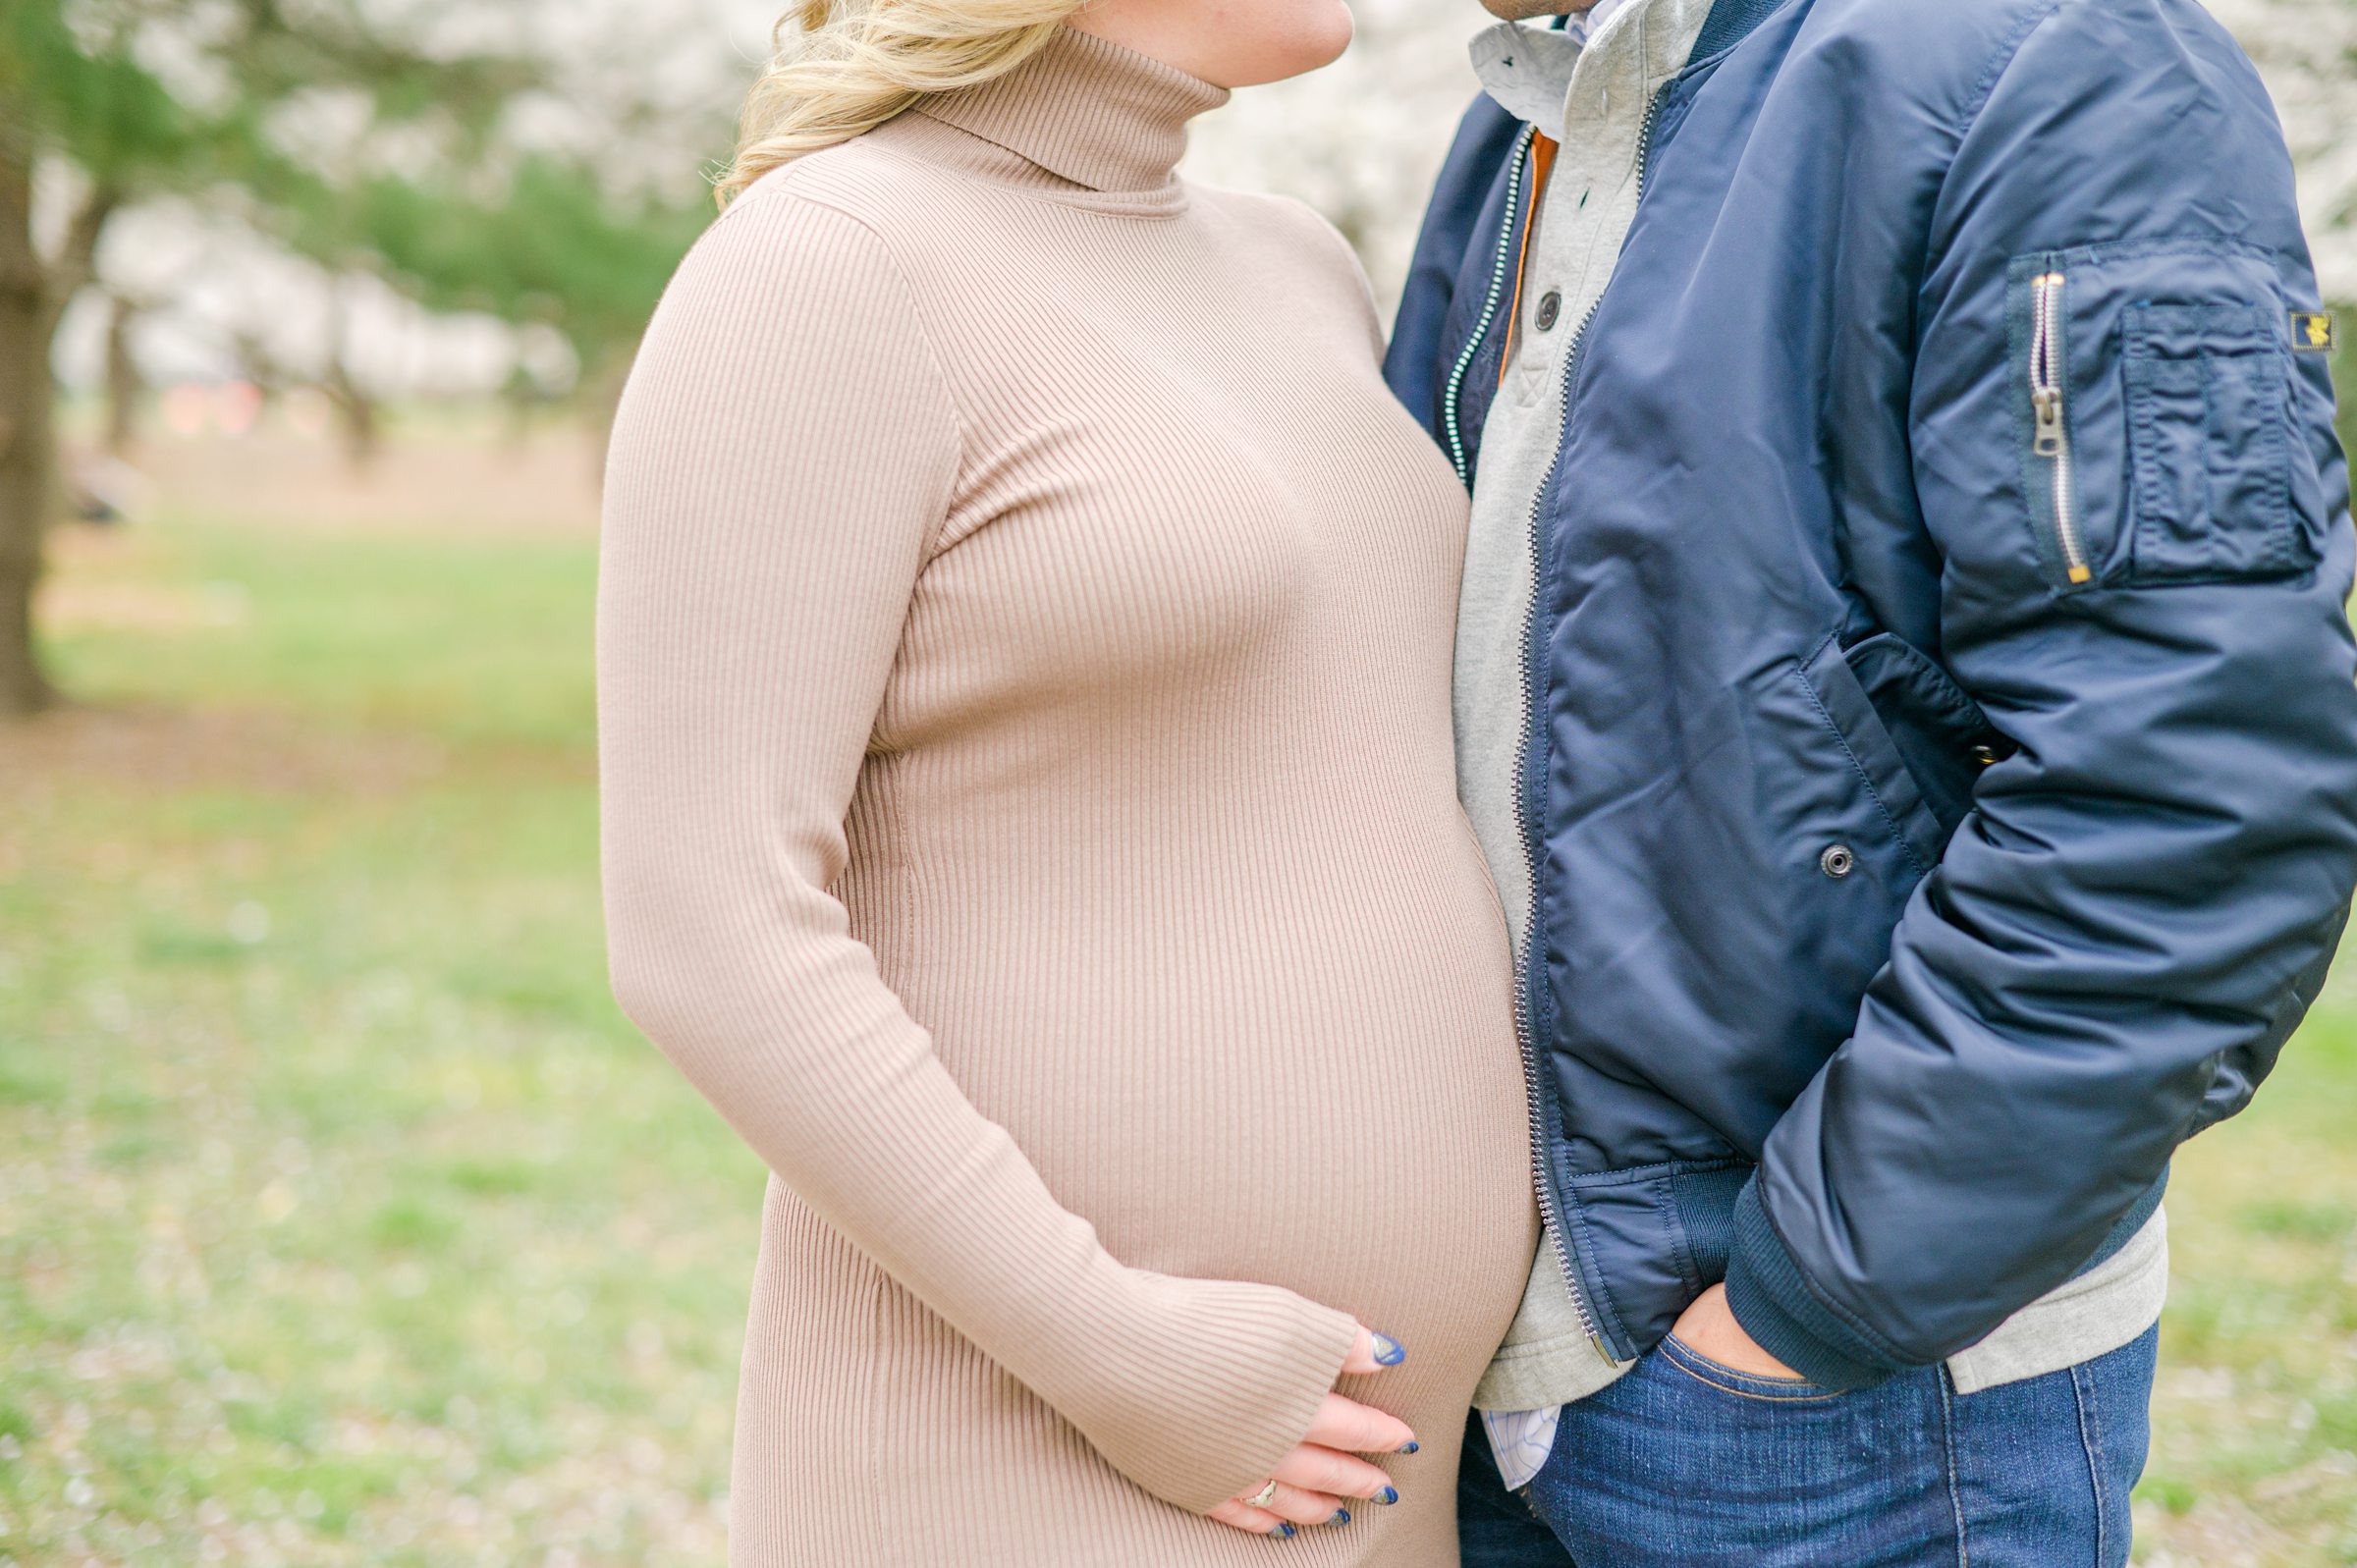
column 1091, row 112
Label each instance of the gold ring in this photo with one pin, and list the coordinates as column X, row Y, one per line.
column 1260, row 1498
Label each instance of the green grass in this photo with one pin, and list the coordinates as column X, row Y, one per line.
column 343, row 1219
column 474, row 641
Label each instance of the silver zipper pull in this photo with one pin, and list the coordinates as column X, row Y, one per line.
column 2048, row 441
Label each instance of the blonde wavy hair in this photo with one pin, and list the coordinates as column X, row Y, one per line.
column 843, row 67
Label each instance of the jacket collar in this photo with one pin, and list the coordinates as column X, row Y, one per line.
column 1731, row 22
column 1528, row 70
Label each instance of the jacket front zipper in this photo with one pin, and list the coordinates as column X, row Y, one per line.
column 1527, row 774
column 1489, row 307
column 2050, row 373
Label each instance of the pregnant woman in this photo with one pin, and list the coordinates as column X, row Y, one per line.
column 1024, row 643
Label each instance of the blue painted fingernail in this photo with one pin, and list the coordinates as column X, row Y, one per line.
column 1283, row 1531
column 1388, row 1496
column 1342, row 1516
column 1411, row 1447
column 1389, row 1352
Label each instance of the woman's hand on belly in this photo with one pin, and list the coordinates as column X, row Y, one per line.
column 1312, row 1484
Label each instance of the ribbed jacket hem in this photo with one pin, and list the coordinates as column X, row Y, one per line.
column 1776, row 1307
column 1775, row 1304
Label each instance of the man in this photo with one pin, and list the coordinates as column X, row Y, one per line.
column 1905, row 697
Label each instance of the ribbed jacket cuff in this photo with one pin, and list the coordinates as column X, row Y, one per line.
column 1774, row 1303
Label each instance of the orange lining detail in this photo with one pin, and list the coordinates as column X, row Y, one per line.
column 1542, row 163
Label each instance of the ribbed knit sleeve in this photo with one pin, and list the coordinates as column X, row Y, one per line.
column 786, row 450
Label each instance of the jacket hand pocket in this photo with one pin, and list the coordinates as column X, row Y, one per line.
column 2208, row 403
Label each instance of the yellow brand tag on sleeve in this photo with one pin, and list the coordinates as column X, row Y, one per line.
column 2312, row 331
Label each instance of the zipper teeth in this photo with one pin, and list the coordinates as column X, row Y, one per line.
column 2046, row 378
column 1489, row 309
column 1525, row 1009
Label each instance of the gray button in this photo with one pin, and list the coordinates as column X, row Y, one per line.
column 1551, row 311
column 1838, row 860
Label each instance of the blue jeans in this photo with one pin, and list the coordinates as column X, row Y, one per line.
column 1687, row 1464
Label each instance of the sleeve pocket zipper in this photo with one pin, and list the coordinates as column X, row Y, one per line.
column 2050, row 426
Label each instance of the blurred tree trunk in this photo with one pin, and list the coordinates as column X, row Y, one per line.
column 356, row 416
column 601, row 390
column 356, row 406
column 34, row 294
column 520, row 402
column 125, row 388
column 28, row 442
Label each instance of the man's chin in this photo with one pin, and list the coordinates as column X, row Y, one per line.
column 1524, row 10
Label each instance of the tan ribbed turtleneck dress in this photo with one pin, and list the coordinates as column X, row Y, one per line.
column 1023, row 647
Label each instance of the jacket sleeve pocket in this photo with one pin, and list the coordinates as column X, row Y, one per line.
column 2153, row 392
column 2208, row 403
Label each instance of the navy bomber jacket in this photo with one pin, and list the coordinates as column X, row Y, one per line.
column 1942, row 787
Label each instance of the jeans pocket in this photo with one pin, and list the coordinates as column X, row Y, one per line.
column 1675, row 1353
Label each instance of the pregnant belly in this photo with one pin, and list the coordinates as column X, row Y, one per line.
column 1338, row 1110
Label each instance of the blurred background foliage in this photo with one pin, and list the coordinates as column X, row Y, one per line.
column 343, row 1221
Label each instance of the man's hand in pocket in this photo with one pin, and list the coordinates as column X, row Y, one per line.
column 1709, row 1328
